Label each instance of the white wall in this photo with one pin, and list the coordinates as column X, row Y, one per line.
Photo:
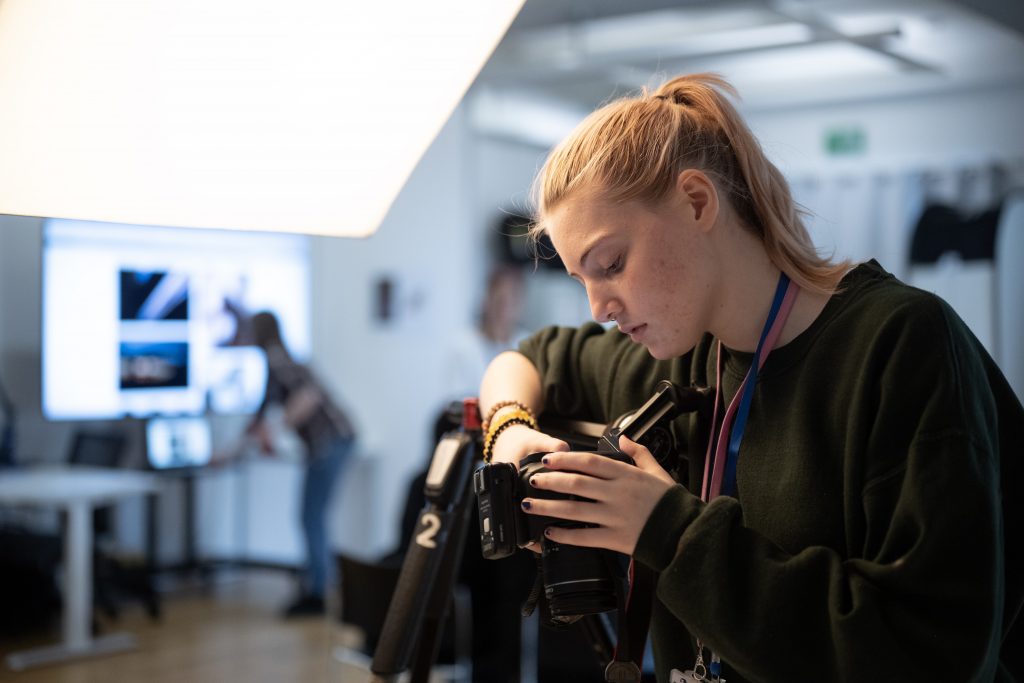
column 389, row 375
column 935, row 130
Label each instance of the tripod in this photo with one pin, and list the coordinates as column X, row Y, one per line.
column 413, row 626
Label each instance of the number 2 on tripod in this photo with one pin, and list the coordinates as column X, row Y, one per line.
column 431, row 525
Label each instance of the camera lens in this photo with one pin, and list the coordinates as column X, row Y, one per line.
column 577, row 580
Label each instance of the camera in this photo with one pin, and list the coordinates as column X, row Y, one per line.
column 577, row 581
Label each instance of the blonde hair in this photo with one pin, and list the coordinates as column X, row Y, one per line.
column 635, row 148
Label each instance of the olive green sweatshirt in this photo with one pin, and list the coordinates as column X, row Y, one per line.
column 876, row 531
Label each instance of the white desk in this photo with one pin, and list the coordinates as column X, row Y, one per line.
column 79, row 490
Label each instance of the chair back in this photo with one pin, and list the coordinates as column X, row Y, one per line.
column 366, row 589
column 98, row 449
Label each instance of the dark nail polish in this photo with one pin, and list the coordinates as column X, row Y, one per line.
column 526, row 505
column 544, row 460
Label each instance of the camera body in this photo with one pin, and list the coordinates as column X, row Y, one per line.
column 576, row 580
column 500, row 490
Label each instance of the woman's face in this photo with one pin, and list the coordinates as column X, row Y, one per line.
column 648, row 267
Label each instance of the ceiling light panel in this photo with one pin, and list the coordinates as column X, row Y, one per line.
column 304, row 116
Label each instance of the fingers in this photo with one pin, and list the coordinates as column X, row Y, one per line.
column 575, row 510
column 550, row 444
column 644, row 459
column 589, row 537
column 585, row 485
column 641, row 456
column 592, row 464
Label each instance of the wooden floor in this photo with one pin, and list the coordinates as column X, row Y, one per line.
column 227, row 632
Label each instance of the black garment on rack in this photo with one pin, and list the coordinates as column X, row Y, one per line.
column 942, row 229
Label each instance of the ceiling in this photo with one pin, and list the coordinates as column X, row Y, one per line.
column 562, row 58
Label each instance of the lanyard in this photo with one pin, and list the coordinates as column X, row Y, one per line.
column 720, row 471
column 628, row 656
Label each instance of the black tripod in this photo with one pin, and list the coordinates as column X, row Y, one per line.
column 414, row 623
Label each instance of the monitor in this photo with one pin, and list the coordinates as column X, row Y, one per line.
column 174, row 443
column 143, row 321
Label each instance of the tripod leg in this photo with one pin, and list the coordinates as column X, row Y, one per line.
column 441, row 600
column 438, row 540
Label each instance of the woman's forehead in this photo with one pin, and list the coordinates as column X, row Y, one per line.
column 577, row 218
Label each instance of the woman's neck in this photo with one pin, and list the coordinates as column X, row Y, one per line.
column 748, row 285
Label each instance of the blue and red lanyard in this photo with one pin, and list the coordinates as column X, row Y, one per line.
column 720, row 470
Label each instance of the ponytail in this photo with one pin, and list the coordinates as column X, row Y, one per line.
column 635, row 148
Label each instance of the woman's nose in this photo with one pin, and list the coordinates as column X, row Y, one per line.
column 602, row 308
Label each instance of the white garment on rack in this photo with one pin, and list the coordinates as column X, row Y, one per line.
column 967, row 286
column 1010, row 291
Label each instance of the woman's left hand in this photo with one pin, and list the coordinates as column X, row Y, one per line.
column 623, row 496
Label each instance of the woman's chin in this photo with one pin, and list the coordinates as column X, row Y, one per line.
column 659, row 353
column 665, row 351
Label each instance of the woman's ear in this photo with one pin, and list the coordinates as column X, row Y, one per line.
column 700, row 197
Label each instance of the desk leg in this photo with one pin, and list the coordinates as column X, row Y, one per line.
column 78, row 577
column 78, row 641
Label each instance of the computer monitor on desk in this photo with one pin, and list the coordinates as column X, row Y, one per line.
column 174, row 443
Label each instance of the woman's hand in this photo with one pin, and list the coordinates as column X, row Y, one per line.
column 518, row 441
column 623, row 496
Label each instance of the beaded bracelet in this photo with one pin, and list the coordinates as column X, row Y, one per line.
column 514, row 417
column 505, row 404
column 493, row 436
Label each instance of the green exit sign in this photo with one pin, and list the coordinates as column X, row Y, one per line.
column 845, row 141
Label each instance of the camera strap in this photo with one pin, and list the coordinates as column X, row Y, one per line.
column 633, row 621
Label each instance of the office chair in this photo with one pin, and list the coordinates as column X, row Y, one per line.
column 113, row 577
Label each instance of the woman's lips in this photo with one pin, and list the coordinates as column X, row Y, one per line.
column 635, row 331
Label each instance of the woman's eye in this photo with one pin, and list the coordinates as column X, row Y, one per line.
column 615, row 267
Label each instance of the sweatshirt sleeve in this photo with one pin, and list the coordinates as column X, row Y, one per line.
column 568, row 360
column 596, row 374
column 917, row 593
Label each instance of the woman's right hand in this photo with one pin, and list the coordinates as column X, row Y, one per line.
column 518, row 441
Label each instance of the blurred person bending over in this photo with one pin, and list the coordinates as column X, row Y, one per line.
column 328, row 437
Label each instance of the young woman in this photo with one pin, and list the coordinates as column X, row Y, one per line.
column 840, row 516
